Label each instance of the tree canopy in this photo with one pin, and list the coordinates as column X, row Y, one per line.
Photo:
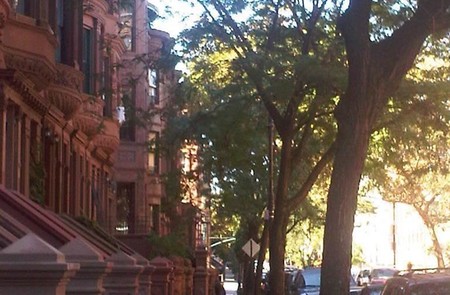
column 295, row 59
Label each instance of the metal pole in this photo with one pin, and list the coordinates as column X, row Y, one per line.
column 394, row 240
column 271, row 203
column 268, row 214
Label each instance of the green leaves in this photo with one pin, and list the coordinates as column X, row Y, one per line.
column 409, row 153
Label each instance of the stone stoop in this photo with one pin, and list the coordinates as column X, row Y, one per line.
column 32, row 266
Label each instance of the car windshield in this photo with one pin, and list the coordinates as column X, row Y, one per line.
column 312, row 277
column 383, row 272
column 352, row 281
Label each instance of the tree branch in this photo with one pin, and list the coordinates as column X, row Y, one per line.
column 354, row 25
column 398, row 52
column 245, row 54
column 311, row 25
column 232, row 25
column 273, row 27
column 301, row 195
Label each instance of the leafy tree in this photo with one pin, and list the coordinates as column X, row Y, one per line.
column 376, row 68
column 285, row 58
column 427, row 193
column 304, row 242
column 233, row 153
column 287, row 53
column 414, row 170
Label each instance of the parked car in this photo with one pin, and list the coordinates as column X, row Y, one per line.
column 363, row 277
column 380, row 275
column 372, row 289
column 432, row 281
column 307, row 282
column 375, row 276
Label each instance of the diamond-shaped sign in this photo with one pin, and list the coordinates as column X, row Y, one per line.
column 251, row 248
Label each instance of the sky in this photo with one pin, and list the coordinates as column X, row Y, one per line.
column 176, row 15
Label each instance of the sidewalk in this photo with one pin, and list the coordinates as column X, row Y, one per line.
column 230, row 287
column 230, row 284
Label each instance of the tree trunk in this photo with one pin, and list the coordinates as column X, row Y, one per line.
column 436, row 246
column 437, row 249
column 261, row 257
column 375, row 72
column 342, row 199
column 278, row 225
column 249, row 275
column 277, row 244
column 249, row 262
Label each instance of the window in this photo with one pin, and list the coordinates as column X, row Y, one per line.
column 126, row 113
column 153, row 91
column 105, row 79
column 65, row 19
column 153, row 154
column 126, row 27
column 107, row 87
column 57, row 22
column 87, row 66
column 25, row 7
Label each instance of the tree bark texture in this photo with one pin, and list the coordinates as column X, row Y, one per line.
column 264, row 241
column 277, row 245
column 375, row 72
column 277, row 239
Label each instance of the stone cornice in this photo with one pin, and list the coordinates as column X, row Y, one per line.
column 65, row 92
column 22, row 85
column 89, row 118
column 108, row 138
column 69, row 77
column 29, row 23
column 65, row 99
column 117, row 43
column 96, row 8
column 37, row 69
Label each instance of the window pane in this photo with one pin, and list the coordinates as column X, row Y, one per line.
column 153, row 92
column 126, row 26
column 153, row 158
column 87, row 60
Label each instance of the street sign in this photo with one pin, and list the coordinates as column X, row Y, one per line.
column 251, row 248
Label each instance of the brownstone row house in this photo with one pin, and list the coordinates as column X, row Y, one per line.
column 59, row 129
column 147, row 85
column 80, row 183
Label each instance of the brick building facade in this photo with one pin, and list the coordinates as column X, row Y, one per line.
column 59, row 129
column 65, row 153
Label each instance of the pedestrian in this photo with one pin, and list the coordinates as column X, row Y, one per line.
column 409, row 266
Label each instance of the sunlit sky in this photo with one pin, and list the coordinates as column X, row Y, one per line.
column 176, row 15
